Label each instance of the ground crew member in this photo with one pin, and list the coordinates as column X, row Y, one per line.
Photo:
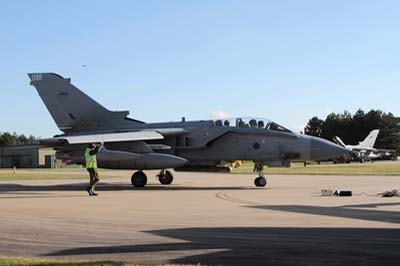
column 91, row 166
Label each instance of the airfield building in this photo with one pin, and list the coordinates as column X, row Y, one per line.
column 28, row 157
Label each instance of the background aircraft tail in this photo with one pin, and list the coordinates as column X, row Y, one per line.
column 73, row 110
column 369, row 141
column 339, row 141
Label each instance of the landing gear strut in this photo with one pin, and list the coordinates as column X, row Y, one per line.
column 260, row 181
column 139, row 179
column 165, row 177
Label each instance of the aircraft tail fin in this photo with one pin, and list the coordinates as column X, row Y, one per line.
column 71, row 109
column 369, row 141
column 339, row 141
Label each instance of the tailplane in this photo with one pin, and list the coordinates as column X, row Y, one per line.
column 73, row 110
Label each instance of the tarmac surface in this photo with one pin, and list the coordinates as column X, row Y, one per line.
column 212, row 219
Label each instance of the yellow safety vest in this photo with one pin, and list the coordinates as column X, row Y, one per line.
column 91, row 160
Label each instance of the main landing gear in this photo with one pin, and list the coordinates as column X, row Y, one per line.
column 260, row 181
column 165, row 177
column 139, row 179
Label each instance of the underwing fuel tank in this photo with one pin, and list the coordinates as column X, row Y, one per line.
column 158, row 161
column 128, row 160
column 112, row 155
column 204, row 168
column 103, row 155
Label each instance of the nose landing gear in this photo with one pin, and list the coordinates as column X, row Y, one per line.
column 260, row 181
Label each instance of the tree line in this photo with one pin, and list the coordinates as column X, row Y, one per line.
column 7, row 138
column 353, row 128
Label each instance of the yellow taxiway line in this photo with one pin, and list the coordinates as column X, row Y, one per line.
column 224, row 196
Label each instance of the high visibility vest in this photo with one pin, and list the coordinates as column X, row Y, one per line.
column 91, row 160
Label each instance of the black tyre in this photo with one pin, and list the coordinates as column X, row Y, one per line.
column 166, row 178
column 260, row 181
column 139, row 179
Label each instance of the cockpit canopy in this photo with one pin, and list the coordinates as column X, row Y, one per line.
column 260, row 123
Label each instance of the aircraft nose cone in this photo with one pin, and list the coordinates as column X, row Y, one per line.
column 321, row 149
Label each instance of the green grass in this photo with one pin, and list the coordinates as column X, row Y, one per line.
column 34, row 262
column 327, row 169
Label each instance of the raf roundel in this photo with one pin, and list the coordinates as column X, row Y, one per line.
column 256, row 145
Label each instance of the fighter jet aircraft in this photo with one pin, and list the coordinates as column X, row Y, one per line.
column 365, row 150
column 136, row 145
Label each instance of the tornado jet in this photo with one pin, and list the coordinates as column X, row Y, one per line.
column 136, row 145
column 365, row 150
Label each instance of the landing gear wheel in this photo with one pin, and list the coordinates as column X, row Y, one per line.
column 139, row 179
column 165, row 177
column 260, row 181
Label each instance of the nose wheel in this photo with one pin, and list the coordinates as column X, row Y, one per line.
column 139, row 179
column 260, row 181
column 165, row 177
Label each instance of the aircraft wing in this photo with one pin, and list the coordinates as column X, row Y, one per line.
column 363, row 149
column 384, row 150
column 107, row 137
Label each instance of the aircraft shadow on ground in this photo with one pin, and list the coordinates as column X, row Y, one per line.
column 268, row 246
column 349, row 211
column 10, row 187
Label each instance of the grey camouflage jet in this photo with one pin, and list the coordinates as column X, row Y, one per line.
column 193, row 145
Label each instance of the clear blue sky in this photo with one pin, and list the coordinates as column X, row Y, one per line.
column 284, row 60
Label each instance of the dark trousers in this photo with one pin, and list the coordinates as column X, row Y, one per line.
column 94, row 178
